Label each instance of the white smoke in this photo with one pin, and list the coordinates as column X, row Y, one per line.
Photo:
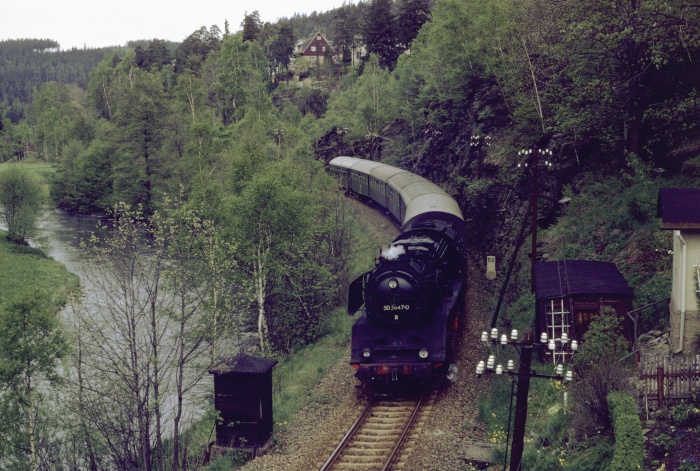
column 393, row 252
column 452, row 372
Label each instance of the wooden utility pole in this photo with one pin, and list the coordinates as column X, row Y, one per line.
column 535, row 194
column 524, row 374
column 533, row 155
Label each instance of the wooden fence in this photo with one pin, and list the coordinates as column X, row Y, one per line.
column 665, row 381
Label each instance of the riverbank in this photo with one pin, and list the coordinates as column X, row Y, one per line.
column 27, row 268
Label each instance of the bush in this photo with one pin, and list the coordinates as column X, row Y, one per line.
column 685, row 415
column 599, row 372
column 20, row 202
column 662, row 444
column 594, row 456
column 621, row 404
column 629, row 444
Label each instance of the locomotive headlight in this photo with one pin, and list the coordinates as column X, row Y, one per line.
column 366, row 353
column 393, row 283
column 423, row 353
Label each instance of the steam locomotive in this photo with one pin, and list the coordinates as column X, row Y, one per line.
column 409, row 302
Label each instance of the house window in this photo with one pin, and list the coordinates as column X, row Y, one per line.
column 318, row 37
column 313, row 48
column 558, row 320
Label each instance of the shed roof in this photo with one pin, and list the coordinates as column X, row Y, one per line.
column 679, row 208
column 243, row 364
column 577, row 277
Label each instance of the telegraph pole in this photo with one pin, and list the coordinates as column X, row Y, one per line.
column 533, row 153
column 516, row 454
column 522, row 377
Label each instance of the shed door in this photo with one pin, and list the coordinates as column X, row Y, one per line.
column 558, row 320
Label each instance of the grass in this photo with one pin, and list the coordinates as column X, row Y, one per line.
column 295, row 376
column 28, row 268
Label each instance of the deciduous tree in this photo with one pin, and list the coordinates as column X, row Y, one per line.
column 32, row 344
column 20, row 200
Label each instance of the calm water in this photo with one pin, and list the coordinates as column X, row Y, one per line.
column 65, row 231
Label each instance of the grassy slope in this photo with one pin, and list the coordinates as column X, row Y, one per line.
column 25, row 268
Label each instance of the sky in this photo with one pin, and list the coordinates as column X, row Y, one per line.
column 93, row 23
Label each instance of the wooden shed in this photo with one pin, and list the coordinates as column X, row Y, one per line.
column 243, row 397
column 571, row 293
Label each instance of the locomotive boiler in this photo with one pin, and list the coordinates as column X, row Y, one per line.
column 409, row 303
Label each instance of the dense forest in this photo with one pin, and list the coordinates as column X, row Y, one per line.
column 201, row 141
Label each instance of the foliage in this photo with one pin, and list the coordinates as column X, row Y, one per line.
column 155, row 56
column 21, row 201
column 592, row 455
column 83, row 183
column 599, row 371
column 240, row 72
column 32, row 344
column 629, row 448
column 251, row 26
column 29, row 63
column 685, row 415
column 140, row 112
column 272, row 217
column 194, row 50
column 621, row 404
column 163, row 296
column 379, row 32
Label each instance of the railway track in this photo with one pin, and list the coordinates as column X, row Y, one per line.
column 382, row 436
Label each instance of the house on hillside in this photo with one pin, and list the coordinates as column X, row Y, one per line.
column 314, row 49
column 571, row 293
column 679, row 210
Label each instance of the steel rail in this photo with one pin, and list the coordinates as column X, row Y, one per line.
column 404, row 434
column 348, row 436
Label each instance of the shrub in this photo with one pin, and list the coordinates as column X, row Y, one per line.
column 685, row 415
column 662, row 443
column 599, row 372
column 20, row 202
column 629, row 445
column 621, row 404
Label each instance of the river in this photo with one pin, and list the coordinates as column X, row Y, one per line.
column 62, row 234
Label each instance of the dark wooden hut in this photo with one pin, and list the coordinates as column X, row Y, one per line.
column 243, row 397
column 571, row 293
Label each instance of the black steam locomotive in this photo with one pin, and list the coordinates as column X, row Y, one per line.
column 409, row 302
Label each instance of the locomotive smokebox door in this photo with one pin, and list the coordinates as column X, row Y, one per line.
column 356, row 296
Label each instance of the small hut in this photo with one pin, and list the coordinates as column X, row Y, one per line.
column 243, row 397
column 571, row 293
